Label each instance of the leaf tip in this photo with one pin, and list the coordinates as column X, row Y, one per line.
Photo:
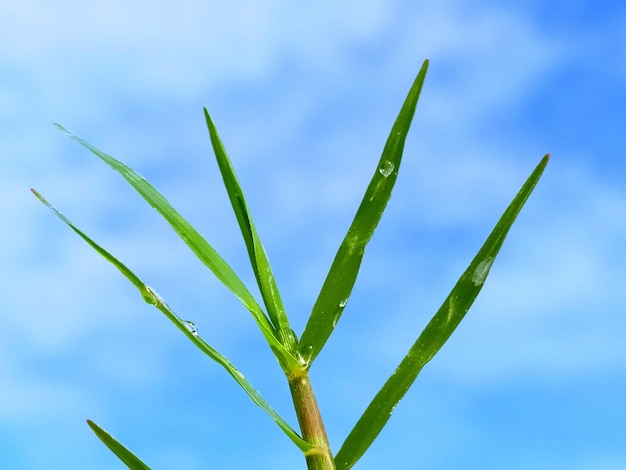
column 544, row 161
column 64, row 130
column 38, row 196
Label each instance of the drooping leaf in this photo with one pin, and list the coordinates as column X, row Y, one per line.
column 131, row 460
column 256, row 252
column 198, row 245
column 340, row 279
column 436, row 333
column 188, row 328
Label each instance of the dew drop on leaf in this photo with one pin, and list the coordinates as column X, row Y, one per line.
column 482, row 270
column 386, row 168
column 191, row 327
column 343, row 303
column 150, row 296
column 304, row 356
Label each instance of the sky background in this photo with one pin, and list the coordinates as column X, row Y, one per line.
column 304, row 95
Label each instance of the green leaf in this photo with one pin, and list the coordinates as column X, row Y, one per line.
column 101, row 251
column 188, row 328
column 256, row 252
column 434, row 335
column 131, row 460
column 345, row 268
column 200, row 247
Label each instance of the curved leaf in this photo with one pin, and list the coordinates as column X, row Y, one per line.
column 436, row 333
column 200, row 247
column 188, row 328
column 256, row 252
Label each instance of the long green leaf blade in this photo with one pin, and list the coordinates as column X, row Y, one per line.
column 256, row 252
column 345, row 268
column 436, row 333
column 131, row 460
column 198, row 245
column 188, row 328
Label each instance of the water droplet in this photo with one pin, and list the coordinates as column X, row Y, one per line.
column 151, row 296
column 148, row 298
column 343, row 303
column 386, row 168
column 482, row 270
column 336, row 319
column 304, row 356
column 191, row 327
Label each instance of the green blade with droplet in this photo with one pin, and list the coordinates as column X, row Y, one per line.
column 256, row 252
column 434, row 336
column 153, row 298
column 131, row 460
column 345, row 268
column 198, row 245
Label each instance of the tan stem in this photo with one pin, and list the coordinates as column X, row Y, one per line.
column 311, row 424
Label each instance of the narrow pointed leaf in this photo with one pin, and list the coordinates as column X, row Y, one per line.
column 153, row 298
column 436, row 333
column 131, row 460
column 256, row 252
column 198, row 245
column 345, row 268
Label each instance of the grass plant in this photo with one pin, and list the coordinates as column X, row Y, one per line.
column 296, row 353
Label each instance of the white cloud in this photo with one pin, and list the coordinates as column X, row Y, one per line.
column 91, row 64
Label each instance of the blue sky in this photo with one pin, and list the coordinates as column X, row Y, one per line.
column 304, row 95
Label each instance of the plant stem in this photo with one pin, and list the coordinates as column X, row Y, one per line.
column 310, row 420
